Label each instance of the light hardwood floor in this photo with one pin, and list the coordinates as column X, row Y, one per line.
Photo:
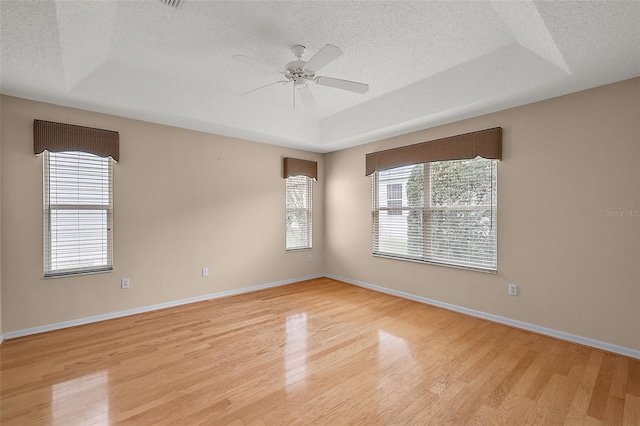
column 315, row 352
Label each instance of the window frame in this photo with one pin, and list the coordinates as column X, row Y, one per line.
column 394, row 199
column 428, row 210
column 49, row 207
column 307, row 210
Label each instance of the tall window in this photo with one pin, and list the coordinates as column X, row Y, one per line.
column 299, row 194
column 78, row 213
column 448, row 213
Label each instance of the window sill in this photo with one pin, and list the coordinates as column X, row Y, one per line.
column 75, row 274
column 466, row 268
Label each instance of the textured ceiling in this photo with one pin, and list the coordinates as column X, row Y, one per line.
column 427, row 63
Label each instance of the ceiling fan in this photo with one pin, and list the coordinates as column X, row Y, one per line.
column 301, row 73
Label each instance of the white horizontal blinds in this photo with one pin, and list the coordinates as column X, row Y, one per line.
column 299, row 200
column 392, row 213
column 461, row 226
column 448, row 213
column 78, row 213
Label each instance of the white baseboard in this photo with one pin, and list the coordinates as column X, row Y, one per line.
column 502, row 320
column 484, row 315
column 149, row 308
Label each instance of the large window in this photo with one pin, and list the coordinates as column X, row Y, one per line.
column 299, row 194
column 448, row 213
column 78, row 213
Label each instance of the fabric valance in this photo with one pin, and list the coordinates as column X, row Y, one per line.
column 296, row 167
column 58, row 137
column 484, row 143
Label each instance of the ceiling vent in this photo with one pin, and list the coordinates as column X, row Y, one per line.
column 173, row 3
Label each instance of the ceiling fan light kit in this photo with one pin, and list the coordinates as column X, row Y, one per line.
column 301, row 72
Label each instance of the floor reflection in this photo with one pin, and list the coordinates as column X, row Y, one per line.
column 296, row 352
column 81, row 401
column 389, row 345
column 396, row 367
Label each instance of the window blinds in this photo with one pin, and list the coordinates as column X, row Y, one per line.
column 299, row 200
column 78, row 213
column 446, row 213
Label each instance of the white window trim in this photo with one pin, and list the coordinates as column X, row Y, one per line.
column 308, row 209
column 377, row 209
column 49, row 207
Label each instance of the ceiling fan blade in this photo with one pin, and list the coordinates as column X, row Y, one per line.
column 262, row 87
column 327, row 54
column 252, row 61
column 307, row 99
column 351, row 86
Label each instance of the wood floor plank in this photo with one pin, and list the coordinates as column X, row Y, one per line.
column 502, row 390
column 631, row 414
column 614, row 411
column 633, row 380
column 315, row 352
column 546, row 405
column 564, row 395
column 554, row 363
column 619, row 378
column 599, row 397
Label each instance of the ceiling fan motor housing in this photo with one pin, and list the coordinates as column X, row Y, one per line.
column 296, row 70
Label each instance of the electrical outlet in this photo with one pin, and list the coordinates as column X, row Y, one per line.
column 513, row 290
column 309, row 258
column 205, row 272
column 125, row 283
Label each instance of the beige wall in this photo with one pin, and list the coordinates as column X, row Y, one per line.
column 0, row 216
column 183, row 200
column 566, row 161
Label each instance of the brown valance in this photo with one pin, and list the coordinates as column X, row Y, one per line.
column 58, row 137
column 295, row 167
column 484, row 143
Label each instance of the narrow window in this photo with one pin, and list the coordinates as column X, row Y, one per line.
column 78, row 213
column 299, row 197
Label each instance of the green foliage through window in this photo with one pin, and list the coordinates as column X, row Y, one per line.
column 448, row 215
